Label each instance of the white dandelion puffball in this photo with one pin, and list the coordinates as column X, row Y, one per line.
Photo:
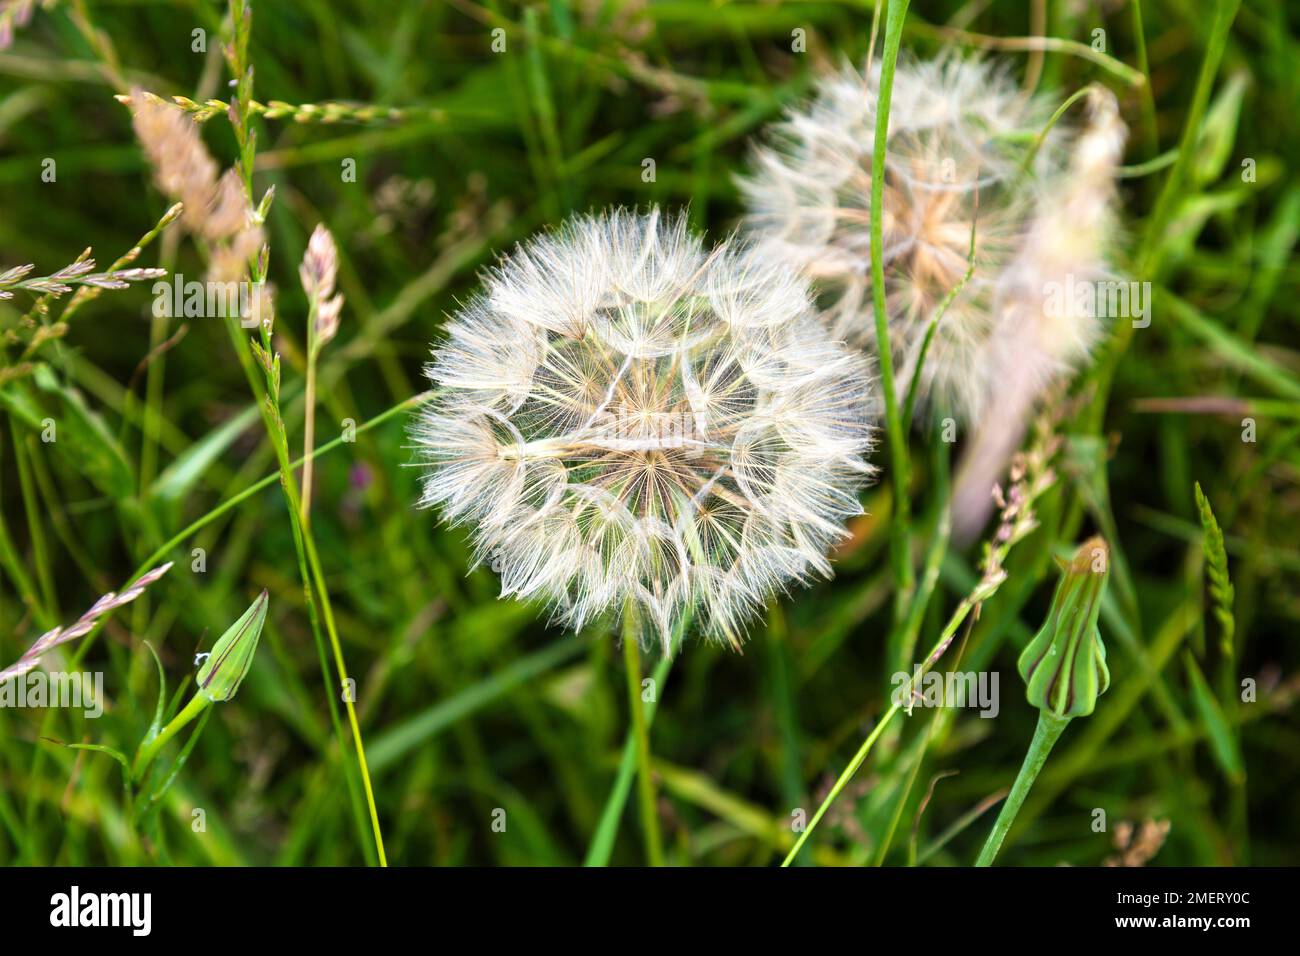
column 627, row 422
column 956, row 158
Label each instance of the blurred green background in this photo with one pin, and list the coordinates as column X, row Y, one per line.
column 469, row 704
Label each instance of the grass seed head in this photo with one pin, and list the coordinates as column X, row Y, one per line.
column 318, row 271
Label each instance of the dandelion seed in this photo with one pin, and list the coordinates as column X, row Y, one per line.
column 624, row 420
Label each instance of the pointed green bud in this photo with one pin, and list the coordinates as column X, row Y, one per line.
column 223, row 671
column 1064, row 666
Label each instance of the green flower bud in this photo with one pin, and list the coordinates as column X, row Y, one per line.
column 223, row 671
column 1064, row 666
column 218, row 680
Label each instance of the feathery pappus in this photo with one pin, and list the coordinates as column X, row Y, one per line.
column 626, row 421
column 954, row 171
column 966, row 162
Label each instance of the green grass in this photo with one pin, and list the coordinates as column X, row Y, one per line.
column 469, row 706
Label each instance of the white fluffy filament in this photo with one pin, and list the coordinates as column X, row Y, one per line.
column 623, row 419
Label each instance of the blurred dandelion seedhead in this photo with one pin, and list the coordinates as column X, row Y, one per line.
column 624, row 420
column 955, row 162
column 1068, row 246
column 963, row 161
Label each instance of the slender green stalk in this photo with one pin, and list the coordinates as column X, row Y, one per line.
column 640, row 732
column 16, row 568
column 901, row 531
column 337, row 647
column 144, row 756
column 150, row 433
column 1045, row 735
column 1061, row 110
column 910, row 628
column 842, row 782
column 900, row 802
column 1138, row 170
column 35, row 527
column 875, row 32
column 1117, row 68
column 913, row 388
column 1148, row 96
column 602, row 842
column 309, row 426
column 949, row 632
column 308, row 562
column 268, row 399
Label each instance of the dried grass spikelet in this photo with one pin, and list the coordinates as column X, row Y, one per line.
column 317, row 272
column 1036, row 342
column 217, row 209
column 624, row 420
column 182, row 166
column 15, row 14
column 106, row 604
column 955, row 159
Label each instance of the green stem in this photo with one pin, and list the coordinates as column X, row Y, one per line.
column 1148, row 97
column 272, row 416
column 900, row 538
column 602, row 842
column 35, row 528
column 309, row 419
column 901, row 699
column 1045, row 735
column 15, row 565
column 1061, row 110
column 842, row 782
column 144, row 756
column 640, row 731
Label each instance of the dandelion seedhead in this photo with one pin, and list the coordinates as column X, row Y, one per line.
column 956, row 169
column 626, row 421
column 970, row 158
